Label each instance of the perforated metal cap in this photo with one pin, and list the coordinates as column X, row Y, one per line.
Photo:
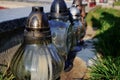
column 37, row 25
column 37, row 19
column 58, row 9
column 36, row 8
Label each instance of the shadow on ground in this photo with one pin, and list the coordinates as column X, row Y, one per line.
column 109, row 37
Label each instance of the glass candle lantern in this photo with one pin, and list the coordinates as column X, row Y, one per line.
column 37, row 58
column 79, row 29
column 60, row 24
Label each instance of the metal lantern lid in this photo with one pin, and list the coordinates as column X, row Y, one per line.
column 36, row 8
column 37, row 19
column 75, row 12
column 59, row 9
column 37, row 25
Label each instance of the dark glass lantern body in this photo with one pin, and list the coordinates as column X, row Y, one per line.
column 79, row 28
column 61, row 27
column 37, row 58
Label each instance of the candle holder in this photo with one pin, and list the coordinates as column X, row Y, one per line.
column 37, row 58
column 79, row 29
column 61, row 24
column 61, row 27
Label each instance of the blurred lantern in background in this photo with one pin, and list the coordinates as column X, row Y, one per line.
column 61, row 24
column 37, row 58
column 61, row 27
column 79, row 28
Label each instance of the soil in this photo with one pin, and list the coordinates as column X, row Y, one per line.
column 78, row 71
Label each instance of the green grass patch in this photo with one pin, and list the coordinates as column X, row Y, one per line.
column 107, row 22
column 106, row 69
column 6, row 77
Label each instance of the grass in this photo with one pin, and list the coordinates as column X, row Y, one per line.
column 117, row 3
column 107, row 22
column 6, row 77
column 106, row 69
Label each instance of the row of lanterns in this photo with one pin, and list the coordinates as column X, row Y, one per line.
column 48, row 42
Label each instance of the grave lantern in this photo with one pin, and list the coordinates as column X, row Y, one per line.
column 37, row 58
column 79, row 28
column 61, row 27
